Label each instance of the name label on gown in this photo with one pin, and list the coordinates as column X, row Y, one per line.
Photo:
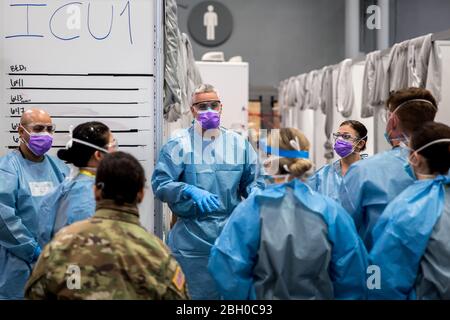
column 39, row 189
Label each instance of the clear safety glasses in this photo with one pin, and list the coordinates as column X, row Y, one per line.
column 114, row 145
column 206, row 105
column 40, row 127
column 344, row 136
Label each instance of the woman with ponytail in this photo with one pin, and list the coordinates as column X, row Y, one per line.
column 73, row 200
column 286, row 155
column 411, row 238
column 350, row 141
column 288, row 241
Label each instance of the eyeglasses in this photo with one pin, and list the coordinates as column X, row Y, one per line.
column 113, row 145
column 205, row 105
column 344, row 136
column 41, row 127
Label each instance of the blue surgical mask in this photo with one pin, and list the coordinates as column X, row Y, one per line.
column 386, row 136
column 409, row 166
column 410, row 171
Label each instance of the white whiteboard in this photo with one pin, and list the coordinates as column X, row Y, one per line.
column 82, row 61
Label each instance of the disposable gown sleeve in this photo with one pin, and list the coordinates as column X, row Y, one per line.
column 349, row 257
column 233, row 256
column 166, row 185
column 14, row 235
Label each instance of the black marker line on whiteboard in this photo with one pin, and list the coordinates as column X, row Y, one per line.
column 106, row 103
column 83, row 74
column 80, row 89
column 89, row 117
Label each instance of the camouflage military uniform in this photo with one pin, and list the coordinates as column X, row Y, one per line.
column 116, row 257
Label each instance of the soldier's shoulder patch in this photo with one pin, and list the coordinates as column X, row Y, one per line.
column 178, row 279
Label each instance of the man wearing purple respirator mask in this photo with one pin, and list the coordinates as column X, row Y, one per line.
column 208, row 114
column 26, row 176
column 350, row 140
column 39, row 143
column 203, row 173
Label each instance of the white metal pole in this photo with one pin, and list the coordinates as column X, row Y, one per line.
column 352, row 25
column 383, row 33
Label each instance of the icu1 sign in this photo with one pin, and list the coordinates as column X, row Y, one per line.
column 210, row 23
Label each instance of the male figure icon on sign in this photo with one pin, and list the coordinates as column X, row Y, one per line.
column 210, row 21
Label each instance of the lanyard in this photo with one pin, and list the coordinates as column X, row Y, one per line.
column 87, row 173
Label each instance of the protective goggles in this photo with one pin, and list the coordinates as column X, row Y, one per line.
column 41, row 127
column 207, row 105
column 113, row 145
column 344, row 136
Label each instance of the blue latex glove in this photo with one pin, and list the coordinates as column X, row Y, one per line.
column 37, row 253
column 206, row 201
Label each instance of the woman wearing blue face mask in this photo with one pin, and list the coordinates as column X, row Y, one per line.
column 73, row 200
column 350, row 141
column 370, row 185
column 412, row 239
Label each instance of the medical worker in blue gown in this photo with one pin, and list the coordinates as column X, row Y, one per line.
column 26, row 176
column 350, row 141
column 73, row 200
column 203, row 173
column 412, row 238
column 370, row 185
column 288, row 241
